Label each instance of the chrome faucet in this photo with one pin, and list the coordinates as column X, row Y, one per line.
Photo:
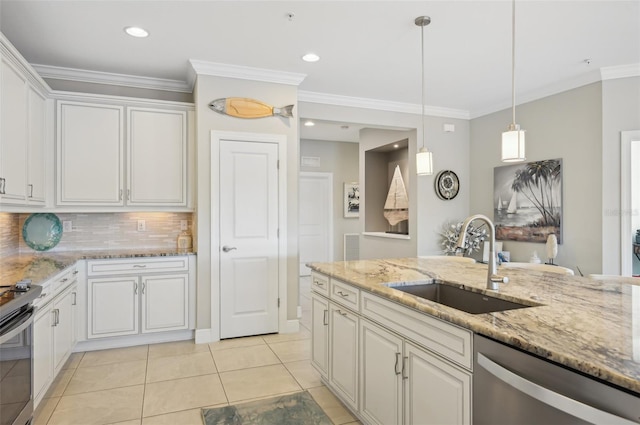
column 492, row 278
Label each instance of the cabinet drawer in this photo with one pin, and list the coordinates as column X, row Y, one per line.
column 320, row 284
column 64, row 279
column 137, row 266
column 345, row 294
column 448, row 340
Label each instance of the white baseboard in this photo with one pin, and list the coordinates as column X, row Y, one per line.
column 132, row 340
column 291, row 326
column 204, row 336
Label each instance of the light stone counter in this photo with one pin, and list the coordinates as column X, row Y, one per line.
column 41, row 266
column 590, row 326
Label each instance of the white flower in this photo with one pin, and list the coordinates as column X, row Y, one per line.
column 451, row 233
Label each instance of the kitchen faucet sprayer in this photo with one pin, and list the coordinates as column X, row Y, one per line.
column 492, row 278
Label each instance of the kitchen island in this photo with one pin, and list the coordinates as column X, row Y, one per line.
column 592, row 327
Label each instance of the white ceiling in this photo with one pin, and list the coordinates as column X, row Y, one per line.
column 368, row 49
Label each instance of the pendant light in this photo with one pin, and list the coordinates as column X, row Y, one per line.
column 424, row 158
column 513, row 138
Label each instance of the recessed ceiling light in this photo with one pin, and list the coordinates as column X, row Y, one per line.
column 309, row 123
column 311, row 57
column 136, row 32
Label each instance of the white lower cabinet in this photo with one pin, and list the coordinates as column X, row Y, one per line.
column 389, row 364
column 139, row 296
column 320, row 335
column 165, row 303
column 54, row 329
column 343, row 353
column 112, row 306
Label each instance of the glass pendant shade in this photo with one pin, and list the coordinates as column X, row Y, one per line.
column 513, row 145
column 424, row 162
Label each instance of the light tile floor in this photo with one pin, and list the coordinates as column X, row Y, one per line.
column 169, row 383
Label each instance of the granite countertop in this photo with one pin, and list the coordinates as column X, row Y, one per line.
column 40, row 266
column 590, row 326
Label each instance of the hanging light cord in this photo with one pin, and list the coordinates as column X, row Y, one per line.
column 422, row 101
column 513, row 63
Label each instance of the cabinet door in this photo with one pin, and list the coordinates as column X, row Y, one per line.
column 13, row 135
column 165, row 303
column 436, row 392
column 380, row 375
column 89, row 154
column 36, row 149
column 343, row 352
column 63, row 328
column 157, row 157
column 320, row 334
column 42, row 351
column 112, row 306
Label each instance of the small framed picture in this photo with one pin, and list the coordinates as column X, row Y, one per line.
column 351, row 200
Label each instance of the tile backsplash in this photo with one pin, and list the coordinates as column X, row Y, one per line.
column 101, row 231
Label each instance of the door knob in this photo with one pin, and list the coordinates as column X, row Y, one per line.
column 228, row 248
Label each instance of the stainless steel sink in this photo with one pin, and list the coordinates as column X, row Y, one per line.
column 457, row 297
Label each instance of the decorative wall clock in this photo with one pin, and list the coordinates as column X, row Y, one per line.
column 447, row 185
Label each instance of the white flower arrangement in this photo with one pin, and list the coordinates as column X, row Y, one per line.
column 451, row 233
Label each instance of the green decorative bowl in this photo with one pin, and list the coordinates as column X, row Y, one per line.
column 42, row 231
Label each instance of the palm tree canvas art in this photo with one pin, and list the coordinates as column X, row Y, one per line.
column 527, row 201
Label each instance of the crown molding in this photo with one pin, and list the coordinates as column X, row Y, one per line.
column 246, row 73
column 10, row 53
column 546, row 91
column 381, row 105
column 97, row 77
column 621, row 71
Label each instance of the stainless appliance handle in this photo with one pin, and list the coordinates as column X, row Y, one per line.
column 549, row 397
column 21, row 324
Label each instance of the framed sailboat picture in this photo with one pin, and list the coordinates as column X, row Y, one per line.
column 527, row 201
column 351, row 200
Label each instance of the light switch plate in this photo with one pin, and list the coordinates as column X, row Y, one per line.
column 183, row 225
column 142, row 226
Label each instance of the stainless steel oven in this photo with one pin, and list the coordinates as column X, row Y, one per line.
column 16, row 355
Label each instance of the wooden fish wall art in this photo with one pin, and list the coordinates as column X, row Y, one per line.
column 242, row 107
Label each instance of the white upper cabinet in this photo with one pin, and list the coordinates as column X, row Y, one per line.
column 156, row 157
column 13, row 134
column 90, row 146
column 115, row 155
column 24, row 131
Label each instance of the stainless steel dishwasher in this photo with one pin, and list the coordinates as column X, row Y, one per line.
column 516, row 388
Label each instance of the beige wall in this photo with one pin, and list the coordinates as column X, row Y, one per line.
column 340, row 159
column 207, row 89
column 567, row 125
column 620, row 112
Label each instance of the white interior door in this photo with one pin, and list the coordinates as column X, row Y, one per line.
column 248, row 238
column 315, row 219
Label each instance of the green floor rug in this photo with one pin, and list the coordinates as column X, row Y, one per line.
column 293, row 409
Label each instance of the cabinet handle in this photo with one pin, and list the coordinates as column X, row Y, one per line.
column 64, row 280
column 121, row 194
column 75, row 298
column 54, row 318
column 30, row 190
column 325, row 318
column 341, row 313
column 135, row 288
column 342, row 294
column 144, row 285
column 404, row 367
column 75, row 272
column 139, row 266
column 2, row 185
column 128, row 194
column 44, row 294
column 318, row 283
column 395, row 368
